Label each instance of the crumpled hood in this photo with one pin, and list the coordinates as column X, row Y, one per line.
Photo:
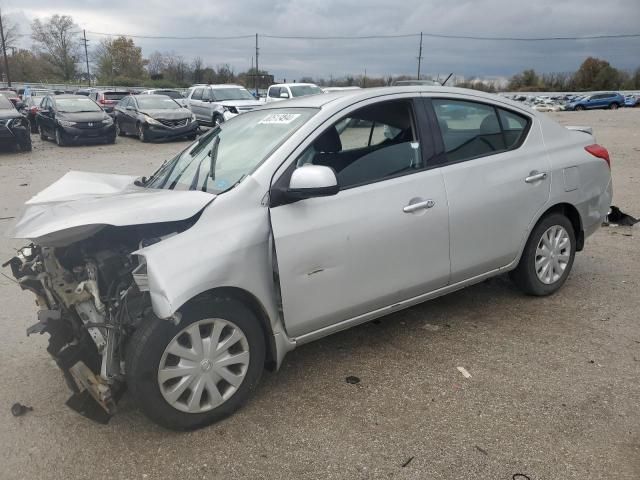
column 81, row 203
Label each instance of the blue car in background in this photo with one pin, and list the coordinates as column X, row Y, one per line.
column 610, row 100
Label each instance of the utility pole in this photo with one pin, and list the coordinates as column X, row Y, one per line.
column 420, row 56
column 4, row 50
column 257, row 68
column 86, row 56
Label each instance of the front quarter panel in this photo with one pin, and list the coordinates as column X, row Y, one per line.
column 229, row 246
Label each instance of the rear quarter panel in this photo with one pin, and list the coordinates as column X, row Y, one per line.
column 577, row 177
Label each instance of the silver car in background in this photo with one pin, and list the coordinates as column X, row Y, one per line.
column 292, row 222
column 215, row 104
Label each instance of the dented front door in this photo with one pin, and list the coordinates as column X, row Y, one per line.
column 365, row 248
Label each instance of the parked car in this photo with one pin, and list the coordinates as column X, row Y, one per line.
column 108, row 99
column 174, row 94
column 14, row 127
column 13, row 97
column 84, row 91
column 215, row 104
column 30, row 108
column 72, row 119
column 184, row 285
column 154, row 117
column 285, row 91
column 598, row 100
column 631, row 101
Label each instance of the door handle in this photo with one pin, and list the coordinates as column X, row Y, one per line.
column 535, row 176
column 414, row 207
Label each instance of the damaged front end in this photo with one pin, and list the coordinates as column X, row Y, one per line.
column 92, row 295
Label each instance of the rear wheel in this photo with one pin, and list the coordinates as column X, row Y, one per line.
column 547, row 257
column 195, row 373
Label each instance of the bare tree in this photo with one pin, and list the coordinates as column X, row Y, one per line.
column 156, row 65
column 57, row 39
column 8, row 36
column 196, row 66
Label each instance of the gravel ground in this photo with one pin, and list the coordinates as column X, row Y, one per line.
column 553, row 393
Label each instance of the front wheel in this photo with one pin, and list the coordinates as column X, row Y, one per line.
column 547, row 257
column 59, row 138
column 579, row 108
column 217, row 120
column 142, row 133
column 190, row 375
column 613, row 106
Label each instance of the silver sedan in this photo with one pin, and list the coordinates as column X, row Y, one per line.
column 292, row 222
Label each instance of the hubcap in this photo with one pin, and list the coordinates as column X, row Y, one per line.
column 203, row 365
column 552, row 254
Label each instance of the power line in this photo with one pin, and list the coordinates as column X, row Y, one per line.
column 373, row 37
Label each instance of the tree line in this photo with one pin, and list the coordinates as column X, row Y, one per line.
column 58, row 54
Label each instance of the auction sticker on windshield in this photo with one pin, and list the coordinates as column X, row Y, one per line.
column 279, row 118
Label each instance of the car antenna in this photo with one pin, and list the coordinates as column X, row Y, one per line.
column 447, row 79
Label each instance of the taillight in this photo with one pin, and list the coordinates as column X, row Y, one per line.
column 600, row 152
column 102, row 101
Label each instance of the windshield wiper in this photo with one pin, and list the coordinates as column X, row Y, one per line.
column 214, row 157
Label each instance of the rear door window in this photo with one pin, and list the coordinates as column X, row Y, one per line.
column 274, row 92
column 197, row 94
column 470, row 129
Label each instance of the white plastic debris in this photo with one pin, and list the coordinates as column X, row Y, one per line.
column 464, row 372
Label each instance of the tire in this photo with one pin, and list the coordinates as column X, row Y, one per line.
column 526, row 275
column 59, row 138
column 192, row 137
column 43, row 136
column 26, row 146
column 119, row 131
column 146, row 357
column 614, row 106
column 579, row 108
column 141, row 133
column 217, row 119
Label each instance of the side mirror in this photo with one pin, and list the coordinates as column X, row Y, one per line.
column 312, row 181
column 284, row 95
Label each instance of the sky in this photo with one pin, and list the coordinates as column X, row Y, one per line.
column 291, row 59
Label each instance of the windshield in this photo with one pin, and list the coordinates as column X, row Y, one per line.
column 160, row 102
column 223, row 94
column 242, row 144
column 75, row 105
column 304, row 90
column 169, row 93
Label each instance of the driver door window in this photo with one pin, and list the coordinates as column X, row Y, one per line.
column 373, row 143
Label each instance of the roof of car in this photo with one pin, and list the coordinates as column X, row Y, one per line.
column 293, row 85
column 346, row 97
column 68, row 95
column 222, row 85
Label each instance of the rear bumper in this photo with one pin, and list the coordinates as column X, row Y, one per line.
column 158, row 132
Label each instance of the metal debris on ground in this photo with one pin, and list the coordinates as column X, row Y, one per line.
column 407, row 462
column 352, row 380
column 17, row 409
column 618, row 217
column 464, row 372
column 482, row 450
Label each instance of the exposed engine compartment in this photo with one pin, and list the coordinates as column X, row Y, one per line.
column 92, row 295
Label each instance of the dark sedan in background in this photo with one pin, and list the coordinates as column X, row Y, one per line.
column 74, row 118
column 154, row 117
column 14, row 127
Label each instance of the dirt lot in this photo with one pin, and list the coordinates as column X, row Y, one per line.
column 554, row 391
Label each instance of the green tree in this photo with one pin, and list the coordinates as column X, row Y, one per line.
column 119, row 61
column 596, row 74
column 57, row 40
